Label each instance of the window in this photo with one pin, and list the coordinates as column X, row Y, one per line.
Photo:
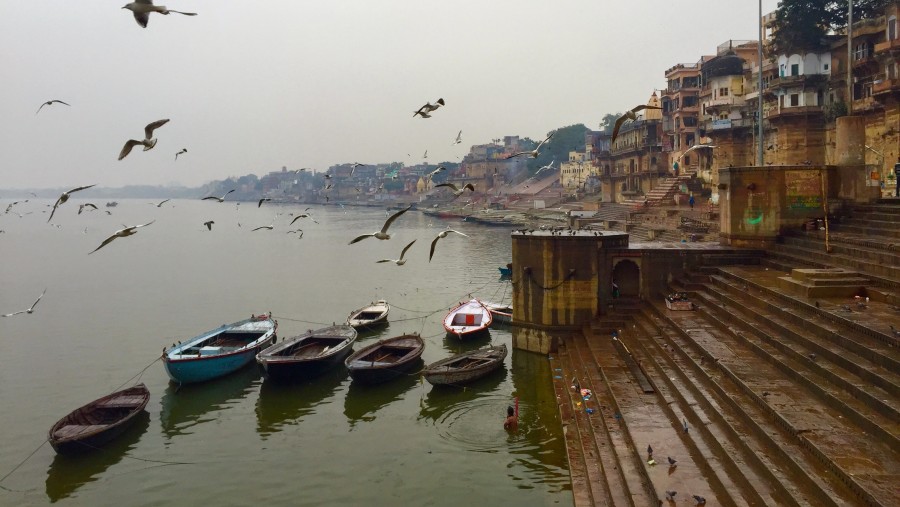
column 825, row 67
column 723, row 92
column 892, row 28
column 795, row 99
column 795, row 69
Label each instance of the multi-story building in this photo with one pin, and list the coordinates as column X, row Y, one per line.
column 681, row 109
column 574, row 172
column 635, row 161
column 487, row 165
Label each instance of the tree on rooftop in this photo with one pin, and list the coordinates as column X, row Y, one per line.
column 804, row 25
column 564, row 140
column 608, row 123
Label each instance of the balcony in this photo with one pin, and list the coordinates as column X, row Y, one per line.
column 863, row 57
column 786, row 112
column 886, row 86
column 887, row 46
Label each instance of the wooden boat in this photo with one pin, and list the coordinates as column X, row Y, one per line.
column 220, row 351
column 369, row 316
column 467, row 366
column 309, row 354
column 89, row 427
column 385, row 359
column 468, row 319
column 506, row 272
column 501, row 313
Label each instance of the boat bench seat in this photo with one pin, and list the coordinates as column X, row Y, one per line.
column 122, row 402
column 371, row 363
column 73, row 430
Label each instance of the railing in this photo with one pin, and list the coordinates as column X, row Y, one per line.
column 887, row 45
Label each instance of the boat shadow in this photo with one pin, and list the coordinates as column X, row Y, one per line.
column 455, row 346
column 189, row 405
column 284, row 403
column 67, row 473
column 363, row 400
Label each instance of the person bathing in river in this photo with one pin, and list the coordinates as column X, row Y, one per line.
column 512, row 422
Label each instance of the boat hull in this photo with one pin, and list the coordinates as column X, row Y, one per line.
column 188, row 371
column 469, row 319
column 438, row 374
column 299, row 370
column 309, row 354
column 83, row 430
column 386, row 359
column 219, row 352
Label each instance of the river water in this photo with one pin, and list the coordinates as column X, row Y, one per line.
column 240, row 439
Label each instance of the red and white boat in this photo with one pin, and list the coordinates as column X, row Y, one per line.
column 469, row 319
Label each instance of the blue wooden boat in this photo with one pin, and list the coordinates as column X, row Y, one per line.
column 220, row 351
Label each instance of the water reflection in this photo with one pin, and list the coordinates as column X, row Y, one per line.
column 67, row 473
column 285, row 404
column 189, row 405
column 363, row 400
column 454, row 345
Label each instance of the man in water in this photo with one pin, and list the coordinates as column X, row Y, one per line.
column 512, row 422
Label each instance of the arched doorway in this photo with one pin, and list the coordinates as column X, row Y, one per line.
column 627, row 275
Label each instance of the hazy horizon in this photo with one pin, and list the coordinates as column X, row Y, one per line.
column 252, row 87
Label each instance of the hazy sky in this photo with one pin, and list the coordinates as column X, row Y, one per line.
column 253, row 86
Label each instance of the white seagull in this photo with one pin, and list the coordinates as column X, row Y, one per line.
column 696, row 147
column 160, row 204
column 148, row 142
column 183, row 150
column 121, row 233
column 456, row 190
column 433, row 173
column 30, row 310
column 268, row 227
column 533, row 153
column 629, row 115
column 383, row 234
column 264, row 199
column 401, row 261
column 428, row 107
column 86, row 205
column 546, row 167
column 143, row 8
column 50, row 103
column 442, row 234
column 303, row 215
column 220, row 199
column 458, row 138
column 65, row 197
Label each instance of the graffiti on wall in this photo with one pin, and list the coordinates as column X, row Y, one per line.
column 803, row 189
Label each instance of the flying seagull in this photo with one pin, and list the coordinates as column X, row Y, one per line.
column 533, row 153
column 121, row 233
column 456, row 190
column 303, row 215
column 401, row 261
column 264, row 199
column 160, row 204
column 30, row 310
column 547, row 167
column 209, row 224
column 382, row 234
column 143, row 8
column 458, row 138
column 696, row 147
column 629, row 115
column 148, row 142
column 425, row 155
column 85, row 205
column 183, row 150
column 428, row 107
column 442, row 234
column 220, row 199
column 267, row 227
column 50, row 103
column 65, row 197
column 433, row 173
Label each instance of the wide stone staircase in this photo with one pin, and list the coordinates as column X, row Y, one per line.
column 782, row 387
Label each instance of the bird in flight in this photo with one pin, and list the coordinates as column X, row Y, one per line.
column 442, row 234
column 298, row 230
column 401, row 261
column 354, row 165
column 547, row 167
column 433, row 173
column 267, row 227
column 50, row 103
column 220, row 199
column 65, row 197
column 696, row 147
column 425, row 155
column 303, row 215
column 160, row 203
column 143, row 8
column 456, row 190
column 458, row 138
column 183, row 150
column 30, row 310
column 264, row 199
column 209, row 224
column 121, row 233
column 629, row 115
column 382, row 234
column 86, row 205
column 428, row 107
column 148, row 142
column 533, row 153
